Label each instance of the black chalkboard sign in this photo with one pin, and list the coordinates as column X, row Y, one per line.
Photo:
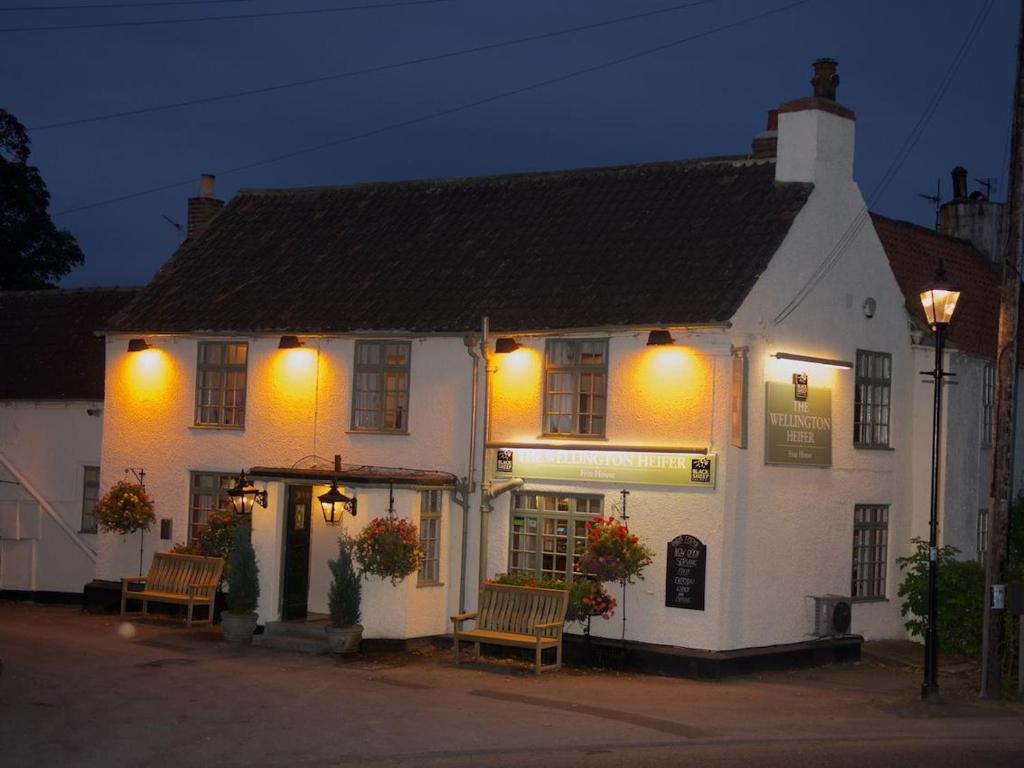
column 686, row 567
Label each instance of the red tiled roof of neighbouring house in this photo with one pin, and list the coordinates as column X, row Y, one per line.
column 48, row 346
column 660, row 243
column 914, row 251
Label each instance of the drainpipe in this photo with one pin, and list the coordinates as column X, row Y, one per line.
column 485, row 505
column 470, row 483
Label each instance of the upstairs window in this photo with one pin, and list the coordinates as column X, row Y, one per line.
column 871, row 399
column 380, row 391
column 988, row 401
column 575, row 387
column 220, row 384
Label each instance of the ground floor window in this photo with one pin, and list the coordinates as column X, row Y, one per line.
column 209, row 492
column 430, row 537
column 548, row 533
column 90, row 495
column 870, row 551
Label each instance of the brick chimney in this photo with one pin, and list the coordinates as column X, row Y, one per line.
column 765, row 143
column 816, row 133
column 202, row 208
column 974, row 218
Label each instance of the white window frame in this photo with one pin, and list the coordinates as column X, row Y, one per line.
column 870, row 564
column 389, row 420
column 872, row 408
column 584, row 385
column 223, row 481
column 557, row 523
column 431, row 505
column 219, row 405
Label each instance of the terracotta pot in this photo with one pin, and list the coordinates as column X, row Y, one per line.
column 238, row 627
column 344, row 640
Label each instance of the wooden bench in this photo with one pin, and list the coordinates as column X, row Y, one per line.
column 520, row 617
column 180, row 579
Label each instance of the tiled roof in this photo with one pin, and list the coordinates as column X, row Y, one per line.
column 48, row 348
column 674, row 243
column 914, row 251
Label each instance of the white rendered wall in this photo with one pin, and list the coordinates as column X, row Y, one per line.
column 49, row 445
column 148, row 423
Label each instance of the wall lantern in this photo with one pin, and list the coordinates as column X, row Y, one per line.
column 939, row 299
column 505, row 344
column 289, row 342
column 138, row 345
column 244, row 495
column 846, row 365
column 335, row 504
column 659, row 338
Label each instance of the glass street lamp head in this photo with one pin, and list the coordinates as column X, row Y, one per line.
column 244, row 495
column 939, row 299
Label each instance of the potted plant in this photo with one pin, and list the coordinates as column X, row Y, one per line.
column 388, row 547
column 344, row 633
column 239, row 621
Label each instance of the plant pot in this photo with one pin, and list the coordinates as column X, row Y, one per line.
column 344, row 640
column 238, row 627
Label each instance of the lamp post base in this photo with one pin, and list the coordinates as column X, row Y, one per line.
column 929, row 691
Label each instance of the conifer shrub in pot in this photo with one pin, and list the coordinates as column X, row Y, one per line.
column 239, row 621
column 344, row 599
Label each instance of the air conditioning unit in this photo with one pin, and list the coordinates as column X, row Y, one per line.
column 832, row 615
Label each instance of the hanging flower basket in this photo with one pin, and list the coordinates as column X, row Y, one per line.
column 612, row 553
column 388, row 547
column 126, row 508
column 588, row 599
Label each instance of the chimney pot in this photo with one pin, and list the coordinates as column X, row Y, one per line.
column 203, row 207
column 959, row 175
column 206, row 182
column 825, row 80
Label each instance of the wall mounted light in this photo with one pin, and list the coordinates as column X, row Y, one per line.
column 289, row 342
column 334, row 504
column 244, row 495
column 138, row 345
column 505, row 344
column 846, row 365
column 658, row 338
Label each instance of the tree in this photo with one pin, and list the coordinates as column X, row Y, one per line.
column 33, row 252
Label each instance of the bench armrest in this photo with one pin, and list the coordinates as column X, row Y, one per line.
column 458, row 618
column 549, row 625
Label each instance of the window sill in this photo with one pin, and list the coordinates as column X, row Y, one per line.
column 398, row 432
column 228, row 427
column 566, row 436
column 865, row 447
column 869, row 599
column 427, row 584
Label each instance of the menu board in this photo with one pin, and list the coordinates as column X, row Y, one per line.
column 685, row 570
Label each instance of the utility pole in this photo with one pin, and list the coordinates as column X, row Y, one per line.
column 1006, row 374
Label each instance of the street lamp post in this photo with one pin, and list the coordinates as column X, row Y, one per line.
column 939, row 301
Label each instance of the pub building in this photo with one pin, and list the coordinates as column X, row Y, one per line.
column 501, row 359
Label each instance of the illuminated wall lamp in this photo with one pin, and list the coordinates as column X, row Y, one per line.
column 659, row 338
column 845, row 365
column 244, row 495
column 505, row 344
column 334, row 504
column 289, row 342
column 138, row 345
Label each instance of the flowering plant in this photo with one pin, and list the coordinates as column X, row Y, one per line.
column 589, row 598
column 388, row 547
column 125, row 508
column 216, row 540
column 612, row 553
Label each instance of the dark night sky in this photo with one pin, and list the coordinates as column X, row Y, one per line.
column 706, row 97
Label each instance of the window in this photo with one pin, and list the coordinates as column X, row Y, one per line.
column 220, row 383
column 575, row 378
column 870, row 551
column 90, row 495
column 209, row 492
column 988, row 399
column 430, row 537
column 982, row 535
column 871, row 403
column 380, row 393
column 549, row 533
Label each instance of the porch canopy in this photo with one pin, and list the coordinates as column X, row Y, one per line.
column 358, row 474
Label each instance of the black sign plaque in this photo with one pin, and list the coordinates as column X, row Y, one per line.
column 686, row 566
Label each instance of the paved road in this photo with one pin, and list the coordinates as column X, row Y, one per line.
column 73, row 692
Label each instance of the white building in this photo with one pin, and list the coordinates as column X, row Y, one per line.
column 783, row 427
column 51, row 404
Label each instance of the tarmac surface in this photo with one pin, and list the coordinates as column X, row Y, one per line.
column 75, row 691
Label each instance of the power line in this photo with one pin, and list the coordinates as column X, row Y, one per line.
column 94, row 6
column 368, row 70
column 226, row 17
column 863, row 215
column 450, row 110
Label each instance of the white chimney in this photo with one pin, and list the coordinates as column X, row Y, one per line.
column 816, row 134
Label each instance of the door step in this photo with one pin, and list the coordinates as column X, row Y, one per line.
column 297, row 636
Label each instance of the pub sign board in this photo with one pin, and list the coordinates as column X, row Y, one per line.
column 686, row 573
column 694, row 470
column 798, row 431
